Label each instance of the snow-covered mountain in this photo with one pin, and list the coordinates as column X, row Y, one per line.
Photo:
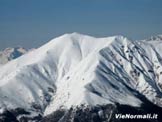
column 155, row 38
column 9, row 54
column 77, row 70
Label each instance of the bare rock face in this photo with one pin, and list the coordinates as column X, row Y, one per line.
column 103, row 113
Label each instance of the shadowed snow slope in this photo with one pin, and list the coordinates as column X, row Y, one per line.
column 76, row 69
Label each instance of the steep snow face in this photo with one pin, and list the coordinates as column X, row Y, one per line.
column 11, row 53
column 76, row 69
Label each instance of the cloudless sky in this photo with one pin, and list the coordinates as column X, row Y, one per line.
column 31, row 23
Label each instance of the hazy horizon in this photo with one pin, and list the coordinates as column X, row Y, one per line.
column 32, row 23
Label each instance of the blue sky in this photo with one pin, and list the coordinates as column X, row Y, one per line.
column 31, row 23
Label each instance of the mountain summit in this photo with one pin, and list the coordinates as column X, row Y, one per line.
column 75, row 69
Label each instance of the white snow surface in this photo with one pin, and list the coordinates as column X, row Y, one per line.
column 76, row 69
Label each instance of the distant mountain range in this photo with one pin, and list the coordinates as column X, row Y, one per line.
column 79, row 78
column 9, row 54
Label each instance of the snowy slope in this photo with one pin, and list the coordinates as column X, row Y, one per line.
column 76, row 69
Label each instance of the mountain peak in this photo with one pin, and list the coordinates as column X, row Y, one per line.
column 76, row 69
column 76, row 34
column 155, row 38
